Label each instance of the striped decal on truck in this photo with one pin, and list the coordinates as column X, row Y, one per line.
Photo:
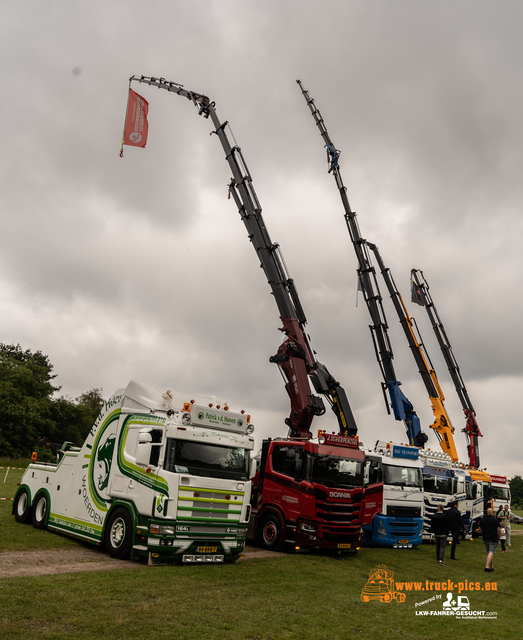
column 197, row 504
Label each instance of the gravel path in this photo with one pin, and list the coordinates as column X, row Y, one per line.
column 18, row 564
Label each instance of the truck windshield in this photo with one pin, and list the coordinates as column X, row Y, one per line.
column 491, row 491
column 205, row 459
column 334, row 471
column 402, row 476
column 437, row 484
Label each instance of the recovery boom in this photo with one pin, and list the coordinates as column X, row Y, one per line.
column 401, row 406
column 295, row 356
column 420, row 295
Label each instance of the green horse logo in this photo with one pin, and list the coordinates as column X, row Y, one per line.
column 103, row 461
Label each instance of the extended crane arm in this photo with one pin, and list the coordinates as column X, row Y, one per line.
column 442, row 424
column 295, row 356
column 401, row 406
column 420, row 295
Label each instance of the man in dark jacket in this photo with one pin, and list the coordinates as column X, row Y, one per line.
column 456, row 527
column 439, row 525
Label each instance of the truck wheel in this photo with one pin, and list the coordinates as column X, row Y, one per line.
column 118, row 534
column 40, row 509
column 270, row 533
column 22, row 509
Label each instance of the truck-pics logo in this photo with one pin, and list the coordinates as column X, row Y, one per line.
column 380, row 586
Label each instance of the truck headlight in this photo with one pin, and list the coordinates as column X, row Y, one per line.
column 167, row 530
column 307, row 527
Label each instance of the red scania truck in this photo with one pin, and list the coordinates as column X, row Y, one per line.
column 308, row 493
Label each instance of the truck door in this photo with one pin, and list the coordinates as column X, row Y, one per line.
column 287, row 462
column 373, row 497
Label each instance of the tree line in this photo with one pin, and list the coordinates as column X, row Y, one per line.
column 32, row 416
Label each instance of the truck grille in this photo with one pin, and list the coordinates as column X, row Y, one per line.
column 343, row 536
column 209, row 505
column 402, row 511
column 331, row 511
column 403, row 529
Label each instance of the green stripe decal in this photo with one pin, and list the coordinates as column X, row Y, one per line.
column 133, row 471
column 75, row 526
column 208, row 500
column 221, row 491
column 214, row 520
column 210, row 511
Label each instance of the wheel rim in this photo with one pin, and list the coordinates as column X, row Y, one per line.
column 41, row 508
column 269, row 533
column 22, row 504
column 117, row 532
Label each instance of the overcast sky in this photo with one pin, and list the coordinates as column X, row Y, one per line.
column 140, row 267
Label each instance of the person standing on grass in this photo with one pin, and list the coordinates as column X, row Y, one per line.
column 509, row 517
column 490, row 529
column 439, row 525
column 456, row 526
column 502, row 538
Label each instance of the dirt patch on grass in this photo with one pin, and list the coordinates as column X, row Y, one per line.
column 18, row 564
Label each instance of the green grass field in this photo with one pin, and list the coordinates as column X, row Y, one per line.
column 303, row 596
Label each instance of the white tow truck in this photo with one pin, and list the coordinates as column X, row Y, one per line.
column 162, row 474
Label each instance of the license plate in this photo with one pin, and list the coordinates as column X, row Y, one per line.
column 344, row 546
column 206, row 549
column 403, row 542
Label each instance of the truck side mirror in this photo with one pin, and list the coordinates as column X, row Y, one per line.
column 143, row 448
column 253, row 468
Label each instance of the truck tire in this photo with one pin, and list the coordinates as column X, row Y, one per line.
column 22, row 509
column 270, row 533
column 40, row 511
column 119, row 534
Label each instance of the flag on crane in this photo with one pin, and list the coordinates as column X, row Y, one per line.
column 136, row 127
column 416, row 295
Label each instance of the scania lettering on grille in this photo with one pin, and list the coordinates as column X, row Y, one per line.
column 337, row 494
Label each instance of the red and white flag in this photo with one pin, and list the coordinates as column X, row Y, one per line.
column 136, row 126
